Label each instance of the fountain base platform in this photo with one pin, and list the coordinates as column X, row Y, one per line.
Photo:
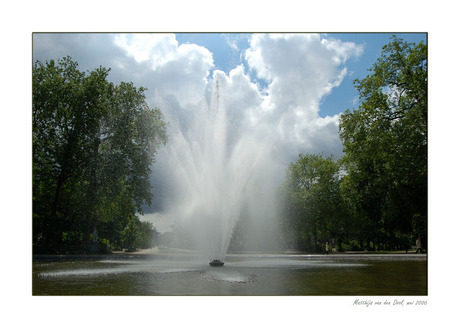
column 216, row 263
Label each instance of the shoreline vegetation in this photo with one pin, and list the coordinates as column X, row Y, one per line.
column 164, row 252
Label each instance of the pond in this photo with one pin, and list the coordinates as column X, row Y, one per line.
column 243, row 274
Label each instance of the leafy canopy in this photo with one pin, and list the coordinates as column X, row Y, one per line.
column 93, row 148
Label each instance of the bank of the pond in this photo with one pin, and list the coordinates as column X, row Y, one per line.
column 140, row 253
column 156, row 251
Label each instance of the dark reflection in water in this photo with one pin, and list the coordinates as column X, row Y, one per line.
column 241, row 275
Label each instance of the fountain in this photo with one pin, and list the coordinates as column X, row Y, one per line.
column 216, row 263
column 215, row 172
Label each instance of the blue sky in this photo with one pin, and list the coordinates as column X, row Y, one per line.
column 344, row 95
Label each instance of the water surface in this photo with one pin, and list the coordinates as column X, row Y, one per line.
column 188, row 274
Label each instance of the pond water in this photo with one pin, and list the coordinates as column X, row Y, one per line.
column 255, row 274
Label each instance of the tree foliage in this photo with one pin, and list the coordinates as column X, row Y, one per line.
column 380, row 198
column 313, row 202
column 93, row 146
column 385, row 143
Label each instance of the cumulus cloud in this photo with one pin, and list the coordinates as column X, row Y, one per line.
column 158, row 49
column 300, row 70
column 170, row 68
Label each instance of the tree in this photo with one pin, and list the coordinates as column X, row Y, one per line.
column 93, row 146
column 66, row 108
column 148, row 235
column 385, row 143
column 313, row 204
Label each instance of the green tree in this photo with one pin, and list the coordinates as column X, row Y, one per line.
column 67, row 106
column 148, row 235
column 131, row 234
column 385, row 145
column 313, row 204
column 93, row 146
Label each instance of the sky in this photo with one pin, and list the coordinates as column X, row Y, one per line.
column 287, row 88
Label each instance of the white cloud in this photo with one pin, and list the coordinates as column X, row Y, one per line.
column 300, row 70
column 168, row 68
column 158, row 49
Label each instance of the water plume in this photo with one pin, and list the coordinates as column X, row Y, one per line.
column 216, row 171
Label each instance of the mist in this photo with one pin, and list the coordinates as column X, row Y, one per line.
column 215, row 171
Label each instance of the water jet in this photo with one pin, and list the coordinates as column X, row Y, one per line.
column 216, row 173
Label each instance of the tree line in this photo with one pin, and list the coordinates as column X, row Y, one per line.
column 375, row 196
column 93, row 146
